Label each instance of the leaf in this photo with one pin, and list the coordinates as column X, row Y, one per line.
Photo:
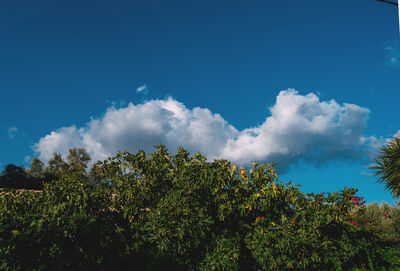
column 274, row 187
column 233, row 170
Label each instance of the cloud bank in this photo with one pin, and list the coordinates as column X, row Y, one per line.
column 299, row 127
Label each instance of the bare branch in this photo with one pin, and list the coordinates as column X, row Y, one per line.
column 385, row 1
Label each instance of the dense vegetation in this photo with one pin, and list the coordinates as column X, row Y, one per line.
column 180, row 212
column 37, row 175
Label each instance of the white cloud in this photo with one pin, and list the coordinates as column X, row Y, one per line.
column 59, row 141
column 11, row 132
column 143, row 89
column 303, row 127
column 299, row 127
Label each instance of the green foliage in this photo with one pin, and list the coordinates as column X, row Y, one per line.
column 67, row 226
column 387, row 166
column 223, row 253
column 77, row 162
column 16, row 177
column 13, row 175
column 180, row 212
column 383, row 219
column 57, row 166
column 36, row 169
column 34, row 178
column 75, row 166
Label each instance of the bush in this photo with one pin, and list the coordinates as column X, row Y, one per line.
column 176, row 212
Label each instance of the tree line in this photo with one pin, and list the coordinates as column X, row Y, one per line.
column 386, row 166
column 76, row 165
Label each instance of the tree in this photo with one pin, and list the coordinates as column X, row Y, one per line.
column 16, row 177
column 13, row 176
column 57, row 166
column 387, row 166
column 77, row 162
column 75, row 166
column 36, row 169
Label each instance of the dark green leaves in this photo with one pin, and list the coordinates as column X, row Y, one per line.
column 387, row 167
column 168, row 211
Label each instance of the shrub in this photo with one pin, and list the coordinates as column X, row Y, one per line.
column 180, row 212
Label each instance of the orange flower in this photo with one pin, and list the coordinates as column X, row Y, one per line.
column 243, row 173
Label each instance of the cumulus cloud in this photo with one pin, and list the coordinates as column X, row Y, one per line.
column 11, row 132
column 304, row 128
column 299, row 127
column 141, row 127
column 142, row 89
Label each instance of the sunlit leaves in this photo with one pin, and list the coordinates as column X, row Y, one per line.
column 233, row 170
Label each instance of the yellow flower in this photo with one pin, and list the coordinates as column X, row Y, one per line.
column 233, row 170
column 15, row 232
column 243, row 173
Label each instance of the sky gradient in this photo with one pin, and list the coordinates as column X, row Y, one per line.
column 313, row 85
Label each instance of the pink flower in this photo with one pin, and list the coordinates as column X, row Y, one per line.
column 354, row 222
column 358, row 201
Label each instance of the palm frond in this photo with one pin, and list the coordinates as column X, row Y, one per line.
column 387, row 167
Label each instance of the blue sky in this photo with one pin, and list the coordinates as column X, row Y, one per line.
column 78, row 65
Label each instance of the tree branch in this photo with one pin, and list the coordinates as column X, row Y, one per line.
column 385, row 1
